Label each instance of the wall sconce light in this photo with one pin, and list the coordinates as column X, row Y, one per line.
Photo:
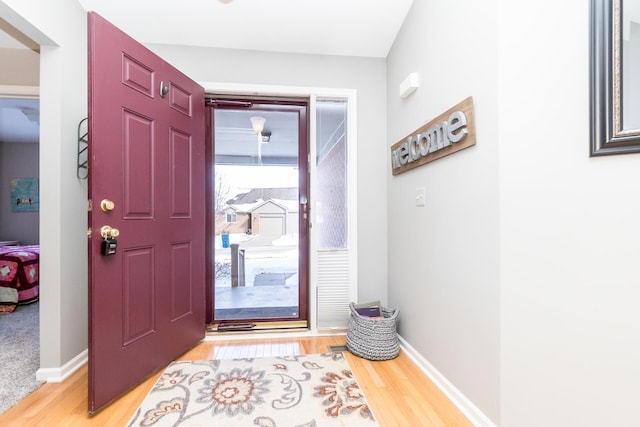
column 257, row 123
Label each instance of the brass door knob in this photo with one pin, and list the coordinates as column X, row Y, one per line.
column 107, row 205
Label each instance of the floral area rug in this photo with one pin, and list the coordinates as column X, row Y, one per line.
column 313, row 390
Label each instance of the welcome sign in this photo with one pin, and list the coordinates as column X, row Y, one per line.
column 451, row 131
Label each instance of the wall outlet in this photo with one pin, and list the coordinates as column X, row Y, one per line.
column 420, row 196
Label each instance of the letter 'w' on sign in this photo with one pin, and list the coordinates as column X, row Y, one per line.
column 448, row 133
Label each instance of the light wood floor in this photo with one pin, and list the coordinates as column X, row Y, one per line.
column 398, row 392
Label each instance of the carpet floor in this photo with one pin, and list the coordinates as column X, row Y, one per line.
column 20, row 355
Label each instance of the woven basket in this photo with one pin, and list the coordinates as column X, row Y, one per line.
column 373, row 339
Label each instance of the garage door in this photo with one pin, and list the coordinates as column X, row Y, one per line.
column 272, row 225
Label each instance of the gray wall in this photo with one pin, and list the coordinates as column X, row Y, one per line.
column 523, row 265
column 17, row 160
column 569, row 233
column 444, row 257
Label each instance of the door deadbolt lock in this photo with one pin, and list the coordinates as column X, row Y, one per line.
column 107, row 231
column 109, row 243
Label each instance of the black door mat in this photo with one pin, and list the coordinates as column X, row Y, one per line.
column 256, row 313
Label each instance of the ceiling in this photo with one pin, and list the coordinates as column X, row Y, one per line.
column 19, row 120
column 7, row 41
column 327, row 27
column 236, row 142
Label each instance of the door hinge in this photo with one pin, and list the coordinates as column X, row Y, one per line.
column 88, row 233
column 89, row 205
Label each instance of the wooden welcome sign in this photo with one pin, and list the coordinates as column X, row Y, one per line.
column 451, row 131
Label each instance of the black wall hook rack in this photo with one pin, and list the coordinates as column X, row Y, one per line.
column 83, row 146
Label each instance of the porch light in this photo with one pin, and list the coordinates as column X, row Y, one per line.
column 257, row 123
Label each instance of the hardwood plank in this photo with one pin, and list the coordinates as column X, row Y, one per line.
column 398, row 392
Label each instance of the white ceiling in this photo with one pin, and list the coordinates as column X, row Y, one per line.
column 326, row 27
column 331, row 27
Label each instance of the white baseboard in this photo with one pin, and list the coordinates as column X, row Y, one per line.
column 57, row 375
column 471, row 411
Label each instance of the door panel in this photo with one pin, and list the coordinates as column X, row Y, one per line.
column 139, row 181
column 137, row 284
column 146, row 151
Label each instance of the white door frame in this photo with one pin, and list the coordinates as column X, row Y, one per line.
column 313, row 93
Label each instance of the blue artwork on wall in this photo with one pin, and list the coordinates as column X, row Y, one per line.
column 24, row 194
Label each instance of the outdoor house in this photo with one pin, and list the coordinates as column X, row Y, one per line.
column 263, row 211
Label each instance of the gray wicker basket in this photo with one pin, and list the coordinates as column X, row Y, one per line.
column 373, row 339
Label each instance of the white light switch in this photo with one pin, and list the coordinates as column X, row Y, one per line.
column 420, row 191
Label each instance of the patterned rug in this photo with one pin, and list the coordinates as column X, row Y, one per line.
column 313, row 390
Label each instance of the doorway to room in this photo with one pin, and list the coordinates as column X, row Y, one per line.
column 260, row 202
column 19, row 223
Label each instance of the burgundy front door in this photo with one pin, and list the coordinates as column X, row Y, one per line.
column 146, row 179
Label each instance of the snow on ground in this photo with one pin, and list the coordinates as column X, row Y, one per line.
column 279, row 257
